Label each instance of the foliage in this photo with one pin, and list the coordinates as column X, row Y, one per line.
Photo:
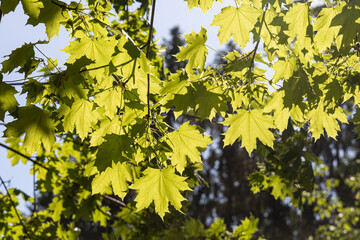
column 97, row 130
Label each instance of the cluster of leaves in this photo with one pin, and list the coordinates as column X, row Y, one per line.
column 97, row 126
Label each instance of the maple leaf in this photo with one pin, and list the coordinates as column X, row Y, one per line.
column 185, row 142
column 37, row 125
column 205, row 5
column 236, row 22
column 195, row 51
column 8, row 102
column 284, row 69
column 118, row 175
column 18, row 58
column 110, row 99
column 348, row 19
column 97, row 49
column 107, row 126
column 161, row 186
column 8, row 6
column 325, row 32
column 114, row 149
column 51, row 15
column 249, row 126
column 80, row 115
column 32, row 7
column 321, row 120
column 298, row 19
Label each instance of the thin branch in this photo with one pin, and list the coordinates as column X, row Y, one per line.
column 14, row 206
column 115, row 200
column 217, row 52
column 147, row 54
column 24, row 156
column 47, row 59
column 257, row 44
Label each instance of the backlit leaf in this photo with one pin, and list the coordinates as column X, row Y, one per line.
column 160, row 186
column 249, row 126
column 185, row 143
column 236, row 22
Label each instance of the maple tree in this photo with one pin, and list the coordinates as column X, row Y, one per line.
column 96, row 129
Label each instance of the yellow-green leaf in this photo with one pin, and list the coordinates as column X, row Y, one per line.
column 236, row 22
column 160, row 186
column 249, row 126
column 185, row 143
column 38, row 127
column 195, row 51
column 80, row 116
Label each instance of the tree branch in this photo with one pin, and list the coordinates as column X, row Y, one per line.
column 14, row 206
column 24, row 156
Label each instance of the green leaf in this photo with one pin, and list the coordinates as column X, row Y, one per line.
column 247, row 228
column 37, row 125
column 110, row 100
column 51, row 15
column 8, row 101
column 32, row 7
column 97, row 49
column 205, row 5
column 107, row 126
column 8, row 6
column 80, row 115
column 325, row 32
column 161, row 186
column 284, row 69
column 249, row 126
column 236, row 22
column 348, row 19
column 118, row 175
column 185, row 142
column 298, row 19
column 195, row 51
column 18, row 58
column 113, row 150
column 321, row 119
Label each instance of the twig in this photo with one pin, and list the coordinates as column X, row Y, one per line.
column 147, row 55
column 24, row 156
column 257, row 44
column 115, row 200
column 47, row 58
column 14, row 206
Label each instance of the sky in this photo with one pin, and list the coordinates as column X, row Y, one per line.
column 14, row 33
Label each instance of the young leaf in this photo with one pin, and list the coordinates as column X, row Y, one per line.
column 236, row 22
column 185, row 143
column 161, row 186
column 114, row 149
column 195, row 51
column 18, row 58
column 321, row 120
column 80, row 115
column 8, row 102
column 117, row 175
column 37, row 125
column 32, row 7
column 98, row 50
column 249, row 126
column 205, row 5
column 51, row 15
